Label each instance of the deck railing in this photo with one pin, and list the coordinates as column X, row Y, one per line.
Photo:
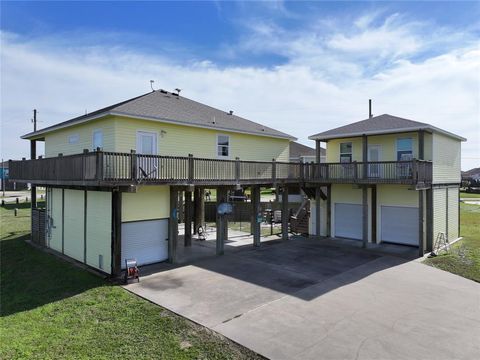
column 112, row 168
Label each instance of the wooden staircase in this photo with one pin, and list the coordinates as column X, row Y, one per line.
column 299, row 220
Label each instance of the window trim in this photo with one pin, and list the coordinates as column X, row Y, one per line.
column 396, row 146
column 93, row 138
column 154, row 133
column 350, row 153
column 229, row 147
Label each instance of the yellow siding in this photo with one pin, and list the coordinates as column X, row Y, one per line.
column 396, row 195
column 57, row 142
column 178, row 140
column 99, row 229
column 55, row 241
column 446, row 159
column 74, row 224
column 439, row 212
column 346, row 194
column 453, row 199
column 149, row 202
column 387, row 142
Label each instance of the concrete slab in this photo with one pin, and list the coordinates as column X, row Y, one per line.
column 308, row 299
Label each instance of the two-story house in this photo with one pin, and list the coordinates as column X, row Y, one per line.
column 114, row 177
column 389, row 180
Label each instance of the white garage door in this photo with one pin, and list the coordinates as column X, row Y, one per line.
column 348, row 221
column 399, row 225
column 145, row 241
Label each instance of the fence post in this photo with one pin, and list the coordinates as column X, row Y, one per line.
column 355, row 170
column 84, row 163
column 191, row 168
column 99, row 164
column 302, row 170
column 274, row 171
column 133, row 165
column 237, row 169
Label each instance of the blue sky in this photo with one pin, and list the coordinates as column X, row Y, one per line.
column 279, row 63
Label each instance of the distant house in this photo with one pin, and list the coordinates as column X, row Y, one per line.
column 305, row 154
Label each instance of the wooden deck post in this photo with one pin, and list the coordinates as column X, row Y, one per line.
column 429, row 219
column 256, row 211
column 365, row 215
column 173, row 226
column 33, row 156
column 285, row 213
column 221, row 222
column 365, row 156
column 199, row 211
column 329, row 210
column 116, row 232
column 188, row 218
column 421, row 239
column 318, row 191
column 374, row 214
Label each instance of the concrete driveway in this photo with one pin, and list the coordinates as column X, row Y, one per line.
column 304, row 299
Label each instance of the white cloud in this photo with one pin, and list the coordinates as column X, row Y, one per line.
column 299, row 97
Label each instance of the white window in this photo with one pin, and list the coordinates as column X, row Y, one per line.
column 146, row 143
column 404, row 149
column 74, row 139
column 97, row 139
column 346, row 152
column 223, row 145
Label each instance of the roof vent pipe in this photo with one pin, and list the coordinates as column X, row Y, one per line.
column 370, row 115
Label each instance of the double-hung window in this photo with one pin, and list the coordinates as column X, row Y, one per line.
column 404, row 149
column 223, row 146
column 346, row 152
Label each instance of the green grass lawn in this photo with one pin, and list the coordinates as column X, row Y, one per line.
column 51, row 309
column 464, row 195
column 464, row 257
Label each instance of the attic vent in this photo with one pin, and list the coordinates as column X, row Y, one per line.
column 230, row 112
column 174, row 94
column 163, row 91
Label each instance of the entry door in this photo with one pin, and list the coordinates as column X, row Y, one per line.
column 146, row 147
column 146, row 143
column 374, row 154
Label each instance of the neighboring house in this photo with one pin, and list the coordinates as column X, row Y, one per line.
column 113, row 177
column 391, row 180
column 305, row 154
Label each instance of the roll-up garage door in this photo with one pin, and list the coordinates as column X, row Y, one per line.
column 348, row 221
column 399, row 225
column 146, row 241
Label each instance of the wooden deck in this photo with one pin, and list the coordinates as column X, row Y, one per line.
column 111, row 169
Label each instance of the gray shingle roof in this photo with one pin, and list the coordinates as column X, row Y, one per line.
column 381, row 124
column 168, row 107
column 297, row 150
